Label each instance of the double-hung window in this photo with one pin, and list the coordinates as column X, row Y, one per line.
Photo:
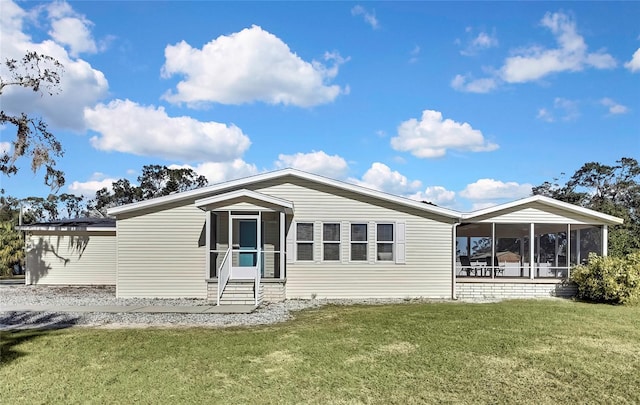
column 384, row 242
column 304, row 241
column 331, row 242
column 359, row 245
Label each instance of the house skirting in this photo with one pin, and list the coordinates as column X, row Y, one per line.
column 501, row 289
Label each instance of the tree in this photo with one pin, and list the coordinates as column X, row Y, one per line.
column 610, row 189
column 155, row 181
column 40, row 73
column 11, row 248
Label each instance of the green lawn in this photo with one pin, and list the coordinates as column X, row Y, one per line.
column 538, row 352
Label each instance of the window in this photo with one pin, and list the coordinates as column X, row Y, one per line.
column 359, row 242
column 384, row 242
column 304, row 241
column 331, row 242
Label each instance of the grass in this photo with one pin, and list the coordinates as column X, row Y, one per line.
column 539, row 352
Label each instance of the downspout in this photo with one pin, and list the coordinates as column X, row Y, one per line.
column 453, row 260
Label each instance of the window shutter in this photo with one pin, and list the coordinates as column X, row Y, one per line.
column 371, row 240
column 317, row 244
column 345, row 246
column 290, row 253
column 400, row 243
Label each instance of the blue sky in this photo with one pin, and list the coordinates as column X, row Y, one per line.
column 462, row 104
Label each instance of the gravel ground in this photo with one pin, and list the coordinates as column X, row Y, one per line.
column 71, row 296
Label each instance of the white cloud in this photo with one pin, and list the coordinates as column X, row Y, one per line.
column 466, row 84
column 487, row 189
column 613, row 107
column 88, row 188
column 149, row 131
column 217, row 172
column 381, row 177
column 71, row 29
column 432, row 136
column 315, row 162
column 566, row 109
column 81, row 85
column 535, row 62
column 5, row 147
column 545, row 115
column 482, row 205
column 369, row 17
column 414, row 54
column 435, row 194
column 479, row 43
column 634, row 64
column 250, row 65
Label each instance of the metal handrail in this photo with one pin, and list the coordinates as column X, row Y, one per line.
column 257, row 280
column 224, row 273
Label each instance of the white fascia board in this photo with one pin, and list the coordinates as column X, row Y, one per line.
column 244, row 193
column 216, row 188
column 609, row 219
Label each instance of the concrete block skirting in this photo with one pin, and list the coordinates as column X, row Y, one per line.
column 507, row 290
column 273, row 290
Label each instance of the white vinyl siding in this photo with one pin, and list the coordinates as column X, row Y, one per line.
column 71, row 258
column 425, row 255
column 162, row 254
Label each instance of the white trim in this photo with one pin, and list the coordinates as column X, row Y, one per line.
column 204, row 203
column 306, row 242
column 392, row 243
column 365, row 242
column 229, row 185
column 332, row 242
column 546, row 201
column 283, row 243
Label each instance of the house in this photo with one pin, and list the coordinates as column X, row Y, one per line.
column 291, row 234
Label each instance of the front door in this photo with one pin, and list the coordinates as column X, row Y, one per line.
column 245, row 247
column 248, row 245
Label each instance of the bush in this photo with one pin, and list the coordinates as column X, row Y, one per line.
column 614, row 280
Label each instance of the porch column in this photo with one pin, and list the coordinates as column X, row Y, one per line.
column 532, row 237
column 568, row 260
column 578, row 246
column 207, row 244
column 282, row 243
column 605, row 240
column 493, row 249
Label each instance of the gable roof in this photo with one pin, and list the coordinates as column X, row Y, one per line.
column 608, row 219
column 206, row 203
column 239, row 183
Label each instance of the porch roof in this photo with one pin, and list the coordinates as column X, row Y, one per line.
column 597, row 217
column 258, row 201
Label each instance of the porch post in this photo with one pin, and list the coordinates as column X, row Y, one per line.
column 568, row 260
column 493, row 249
column 578, row 246
column 532, row 237
column 282, row 243
column 207, row 244
column 605, row 240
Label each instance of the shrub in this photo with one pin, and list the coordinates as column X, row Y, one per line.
column 614, row 280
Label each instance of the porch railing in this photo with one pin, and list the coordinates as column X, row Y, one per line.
column 256, row 289
column 224, row 273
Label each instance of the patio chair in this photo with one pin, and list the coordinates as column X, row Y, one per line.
column 466, row 265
